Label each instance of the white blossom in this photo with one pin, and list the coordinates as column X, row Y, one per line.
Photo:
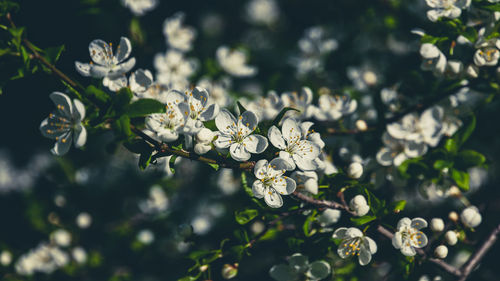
column 5, row 258
column 302, row 102
column 333, row 108
column 271, row 183
column 146, row 236
column 296, row 151
column 45, row 258
column 359, row 205
column 104, row 62
column 329, row 217
column 200, row 110
column 234, row 62
column 446, row 8
column 487, row 53
column 433, row 59
column 140, row 7
column 451, row 237
column 167, row 126
column 355, row 170
column 264, row 12
column 441, row 251
column 65, row 124
column 236, row 134
column 157, row 201
column 306, row 181
column 173, row 69
column 355, row 243
column 471, row 217
column 363, row 77
column 299, row 268
column 219, row 90
column 79, row 255
column 178, row 36
column 266, row 108
column 204, row 140
column 84, row 220
column 408, row 236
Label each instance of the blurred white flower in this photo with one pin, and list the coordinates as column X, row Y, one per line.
column 333, row 108
column 146, row 236
column 437, row 224
column 84, row 220
column 302, row 102
column 451, row 237
column 299, row 268
column 157, row 201
column 306, row 181
column 329, row 217
column 5, row 258
column 79, row 255
column 173, row 69
column 61, row 237
column 178, row 36
column 355, row 170
column 45, row 259
column 446, row 8
column 264, row 12
column 433, row 59
column 140, row 7
column 227, row 182
column 234, row 62
column 441, row 251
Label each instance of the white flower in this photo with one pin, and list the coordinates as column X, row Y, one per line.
column 306, row 181
column 234, row 62
column 296, row 151
column 173, row 69
column 140, row 81
column 451, row 237
column 355, row 170
column 362, row 77
column 105, row 63
column 488, row 50
column 166, row 126
column 45, row 258
column 314, row 42
column 65, row 124
column 335, row 107
column 329, row 217
column 355, row 243
column 140, row 7
column 299, row 268
column 157, row 201
column 471, row 217
column 441, row 251
column 408, row 236
column 79, row 255
column 115, row 84
column 264, row 12
column 271, row 183
column 236, row 134
column 178, row 37
column 61, row 237
column 146, row 236
column 266, row 108
column 359, row 205
column 219, row 90
column 204, row 140
column 446, row 8
column 393, row 152
column 433, row 59
column 84, row 220
column 437, row 224
column 325, row 164
column 300, row 102
column 200, row 110
column 5, row 258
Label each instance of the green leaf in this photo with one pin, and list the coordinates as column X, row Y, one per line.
column 121, row 100
column 398, row 206
column 137, row 146
column 470, row 33
column 144, row 107
column 462, row 135
column 245, row 216
column 98, row 94
column 363, row 220
column 214, row 166
column 171, row 163
column 469, row 158
column 121, row 127
column 280, row 115
column 461, row 178
column 307, row 227
column 451, row 145
column 492, row 7
column 17, row 34
column 52, row 54
column 189, row 278
column 441, row 164
column 145, row 159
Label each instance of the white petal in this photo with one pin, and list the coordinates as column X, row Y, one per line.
column 305, row 164
column 258, row 189
column 319, row 270
column 284, row 185
column 122, row 68
column 98, row 71
column 408, row 250
column 255, row 143
column 364, row 255
column 397, row 240
column 79, row 110
column 298, row 262
column 290, row 129
column 403, row 222
column 210, row 112
column 225, row 122
column 260, row 168
column 288, row 159
column 384, row 156
column 353, row 232
column 418, row 223
column 124, row 49
column 63, row 104
column 283, row 272
column 62, row 145
column 273, row 199
column 168, row 135
column 249, row 120
column 80, row 136
column 239, row 152
column 82, row 68
column 100, row 51
column 276, row 138
column 340, row 233
column 223, row 141
column 372, row 246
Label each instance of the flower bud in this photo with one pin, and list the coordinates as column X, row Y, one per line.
column 205, row 136
column 361, row 125
column 355, row 170
column 5, row 258
column 454, row 191
column 83, row 220
column 451, row 237
column 203, row 268
column 441, row 251
column 201, row 148
column 437, row 224
column 359, row 206
column 229, row 271
column 470, row 216
column 453, row 216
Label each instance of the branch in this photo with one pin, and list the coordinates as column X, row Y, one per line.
column 322, row 203
column 479, row 254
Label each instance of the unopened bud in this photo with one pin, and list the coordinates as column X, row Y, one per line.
column 441, row 251
column 437, row 224
column 453, row 216
column 454, row 191
column 355, row 170
column 203, row 268
column 229, row 271
column 361, row 125
column 451, row 237
column 471, row 217
column 205, row 136
column 201, row 148
column 359, row 206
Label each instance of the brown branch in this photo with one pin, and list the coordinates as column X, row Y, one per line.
column 321, row 203
column 480, row 253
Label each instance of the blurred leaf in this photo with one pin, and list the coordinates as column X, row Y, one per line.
column 307, row 227
column 7, row 7
column 121, row 127
column 214, row 166
column 441, row 164
column 461, row 178
column 245, row 216
column 98, row 94
column 469, row 158
column 189, row 278
column 398, row 206
column 451, row 145
column 363, row 220
column 462, row 135
column 144, row 107
column 120, row 101
column 52, row 54
column 470, row 33
column 145, row 159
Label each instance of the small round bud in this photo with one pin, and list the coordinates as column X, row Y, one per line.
column 205, row 136
column 454, row 191
column 451, row 237
column 146, row 236
column 441, row 251
column 229, row 271
column 361, row 125
column 83, row 220
column 61, row 237
column 79, row 255
column 437, row 224
column 201, row 148
column 355, row 170
column 359, row 206
column 471, row 217
column 370, row 78
column 453, row 216
column 5, row 258
column 203, row 268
